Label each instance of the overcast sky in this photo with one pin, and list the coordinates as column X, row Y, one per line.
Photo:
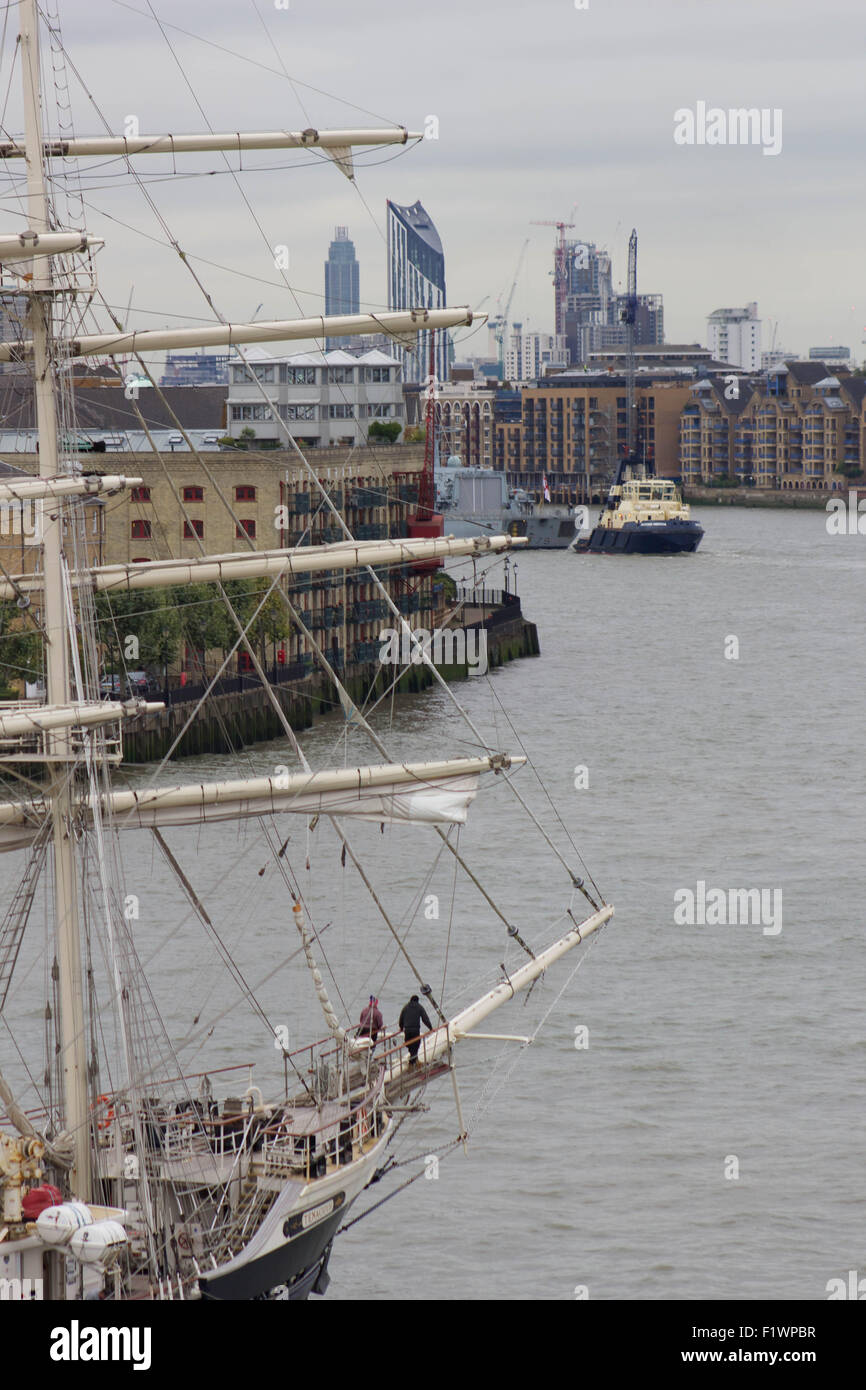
column 540, row 107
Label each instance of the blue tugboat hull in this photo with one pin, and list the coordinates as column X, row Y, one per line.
column 644, row 538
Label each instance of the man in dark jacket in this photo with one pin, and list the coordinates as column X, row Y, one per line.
column 411, row 1018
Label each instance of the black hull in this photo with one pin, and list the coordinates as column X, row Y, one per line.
column 300, row 1265
column 670, row 538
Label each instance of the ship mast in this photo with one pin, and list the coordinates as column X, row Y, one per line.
column 40, row 292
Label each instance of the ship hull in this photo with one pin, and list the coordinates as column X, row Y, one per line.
column 299, row 1265
column 644, row 538
column 291, row 1248
column 542, row 532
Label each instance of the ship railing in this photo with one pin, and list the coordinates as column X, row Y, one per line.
column 170, row 1126
column 291, row 1148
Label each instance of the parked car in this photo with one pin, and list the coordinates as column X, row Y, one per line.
column 134, row 685
column 138, row 683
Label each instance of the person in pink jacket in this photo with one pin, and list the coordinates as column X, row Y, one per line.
column 371, row 1020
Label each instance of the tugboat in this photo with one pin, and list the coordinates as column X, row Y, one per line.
column 642, row 516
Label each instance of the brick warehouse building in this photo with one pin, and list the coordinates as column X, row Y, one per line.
column 275, row 505
column 573, row 431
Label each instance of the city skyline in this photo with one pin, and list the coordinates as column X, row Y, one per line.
column 594, row 127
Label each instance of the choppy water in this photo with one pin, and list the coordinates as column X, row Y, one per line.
column 603, row 1167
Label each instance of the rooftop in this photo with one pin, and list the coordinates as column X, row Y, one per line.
column 418, row 220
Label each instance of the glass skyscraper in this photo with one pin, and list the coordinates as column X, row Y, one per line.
column 342, row 292
column 416, row 280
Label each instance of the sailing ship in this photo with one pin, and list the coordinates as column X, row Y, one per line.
column 133, row 1178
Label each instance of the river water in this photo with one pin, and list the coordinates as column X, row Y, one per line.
column 706, row 1141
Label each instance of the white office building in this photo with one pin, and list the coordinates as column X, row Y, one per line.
column 528, row 354
column 324, row 398
column 734, row 335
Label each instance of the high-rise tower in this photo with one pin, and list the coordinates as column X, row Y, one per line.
column 342, row 294
column 416, row 280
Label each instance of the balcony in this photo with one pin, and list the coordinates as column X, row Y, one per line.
column 368, row 610
column 369, row 497
column 372, row 531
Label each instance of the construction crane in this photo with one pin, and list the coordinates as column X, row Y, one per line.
column 628, row 316
column 560, row 272
column 500, row 327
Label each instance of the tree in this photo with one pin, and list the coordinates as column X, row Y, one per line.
column 206, row 624
column 138, row 629
column 271, row 625
column 386, row 431
column 20, row 650
column 414, row 435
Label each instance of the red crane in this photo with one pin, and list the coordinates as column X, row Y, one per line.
column 427, row 523
column 560, row 272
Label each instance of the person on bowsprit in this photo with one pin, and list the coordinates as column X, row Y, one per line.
column 412, row 1016
column 371, row 1020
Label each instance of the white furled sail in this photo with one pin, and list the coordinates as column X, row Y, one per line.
column 26, row 245
column 39, row 718
column 436, row 793
column 149, row 340
column 156, row 574
column 125, row 145
column 32, row 489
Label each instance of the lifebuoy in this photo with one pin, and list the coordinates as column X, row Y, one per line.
column 109, row 1114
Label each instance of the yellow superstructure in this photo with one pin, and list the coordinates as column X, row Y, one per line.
column 656, row 499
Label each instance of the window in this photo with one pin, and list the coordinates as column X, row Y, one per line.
column 261, row 373
column 245, row 493
column 340, row 412
column 298, row 376
column 141, row 494
column 140, row 530
column 339, row 376
column 193, row 494
column 246, row 527
column 193, row 528
column 377, row 374
column 298, row 412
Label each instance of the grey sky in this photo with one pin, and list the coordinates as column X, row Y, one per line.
column 540, row 106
